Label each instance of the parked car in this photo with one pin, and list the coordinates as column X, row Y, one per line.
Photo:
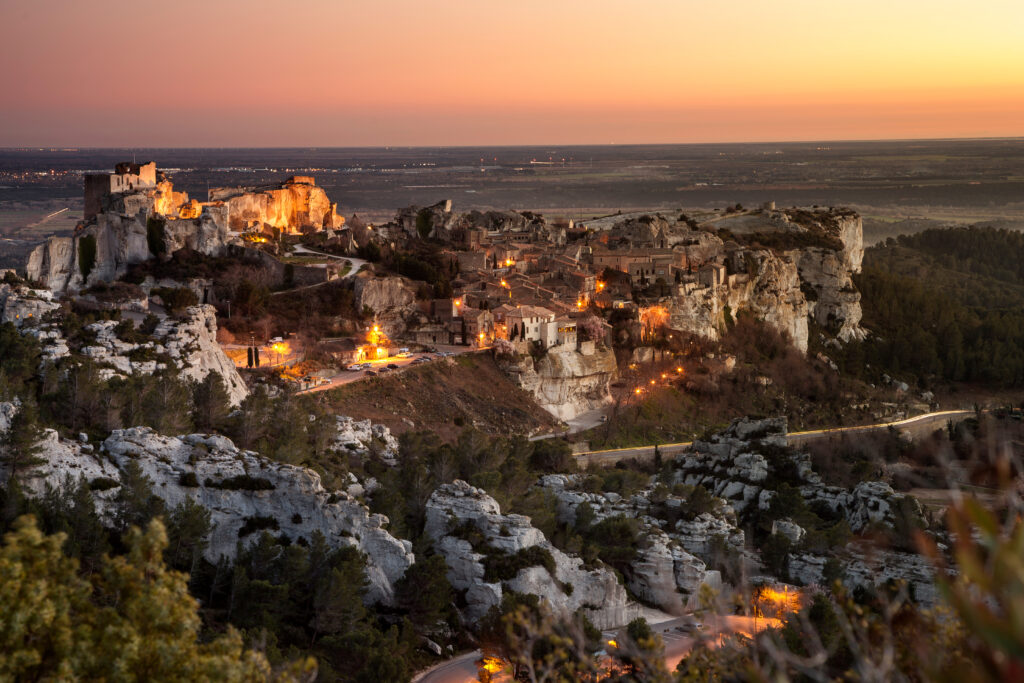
column 355, row 367
column 383, row 370
column 371, row 372
column 422, row 359
column 392, row 366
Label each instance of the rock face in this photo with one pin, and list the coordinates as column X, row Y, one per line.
column 595, row 592
column 116, row 242
column 392, row 299
column 565, row 382
column 772, row 292
column 295, row 206
column 666, row 572
column 806, row 278
column 191, row 342
column 188, row 342
column 834, row 302
column 200, row 467
column 21, row 305
column 868, row 568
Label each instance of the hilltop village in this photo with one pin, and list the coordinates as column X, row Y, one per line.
column 552, row 298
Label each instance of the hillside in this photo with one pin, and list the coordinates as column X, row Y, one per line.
column 943, row 305
column 444, row 396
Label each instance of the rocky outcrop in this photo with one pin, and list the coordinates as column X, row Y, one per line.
column 211, row 471
column 733, row 466
column 665, row 572
column 454, row 508
column 103, row 251
column 392, row 300
column 295, row 206
column 867, row 567
column 563, row 381
column 426, row 221
column 362, row 437
column 21, row 305
column 771, row 292
column 833, row 301
column 187, row 342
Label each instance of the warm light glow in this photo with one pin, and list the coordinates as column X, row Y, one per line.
column 679, row 370
column 281, row 348
column 613, row 643
column 638, row 390
column 492, row 665
column 504, row 284
column 600, row 285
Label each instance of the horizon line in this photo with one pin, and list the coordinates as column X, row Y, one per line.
column 75, row 148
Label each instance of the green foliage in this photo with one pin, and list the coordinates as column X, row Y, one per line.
column 19, row 445
column 86, row 255
column 176, row 299
column 134, row 621
column 426, row 594
column 501, row 566
column 257, row 523
column 242, row 482
column 210, row 403
column 19, row 360
column 943, row 304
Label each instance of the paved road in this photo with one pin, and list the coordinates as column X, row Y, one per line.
column 580, row 423
column 920, row 422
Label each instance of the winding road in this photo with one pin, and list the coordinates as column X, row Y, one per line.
column 919, row 422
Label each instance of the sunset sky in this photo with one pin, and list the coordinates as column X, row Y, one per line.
column 218, row 73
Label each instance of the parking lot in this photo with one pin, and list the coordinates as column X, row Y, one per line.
column 381, row 367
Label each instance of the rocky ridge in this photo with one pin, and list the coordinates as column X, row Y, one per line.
column 236, row 486
column 187, row 342
column 567, row 586
column 668, row 571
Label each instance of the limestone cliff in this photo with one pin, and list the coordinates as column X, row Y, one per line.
column 295, row 206
column 564, row 381
column 454, row 508
column 187, row 342
column 201, row 468
column 392, row 300
column 787, row 267
column 103, row 251
column 772, row 293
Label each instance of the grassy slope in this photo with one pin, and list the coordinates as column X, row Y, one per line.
column 444, row 396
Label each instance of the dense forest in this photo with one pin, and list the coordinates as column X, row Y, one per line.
column 942, row 305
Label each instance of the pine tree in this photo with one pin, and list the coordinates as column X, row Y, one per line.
column 19, row 445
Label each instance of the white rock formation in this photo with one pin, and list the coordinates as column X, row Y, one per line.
column 21, row 305
column 361, row 436
column 295, row 497
column 563, row 381
column 594, row 591
column 119, row 241
column 665, row 572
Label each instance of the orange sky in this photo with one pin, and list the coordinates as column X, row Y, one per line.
column 465, row 72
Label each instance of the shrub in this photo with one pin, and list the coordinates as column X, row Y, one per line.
column 257, row 523
column 103, row 484
column 501, row 566
column 176, row 298
column 188, row 479
column 242, row 482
